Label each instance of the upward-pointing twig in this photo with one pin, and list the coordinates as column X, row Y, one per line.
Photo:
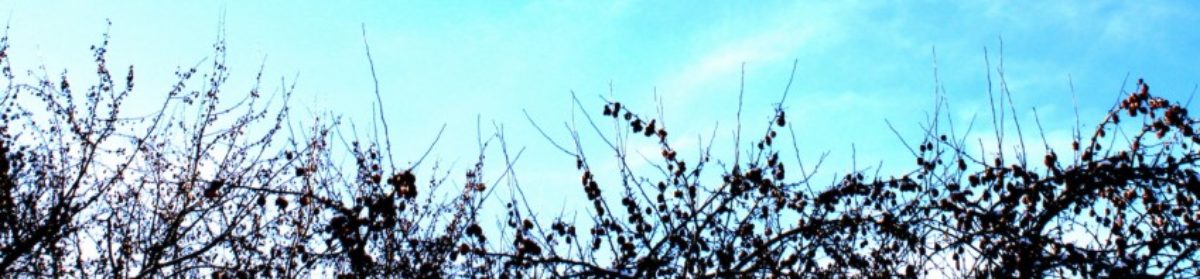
column 539, row 129
column 737, row 136
column 379, row 100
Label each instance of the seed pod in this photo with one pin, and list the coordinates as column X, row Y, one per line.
column 281, row 202
column 213, row 188
column 650, row 129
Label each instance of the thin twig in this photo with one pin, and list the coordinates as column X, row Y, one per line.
column 1190, row 95
column 543, row 132
column 1008, row 94
column 379, row 101
column 791, row 77
column 427, row 150
column 1037, row 119
column 1075, row 102
column 902, row 141
column 737, row 137
column 996, row 124
column 590, row 121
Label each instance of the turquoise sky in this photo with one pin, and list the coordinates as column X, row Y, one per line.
column 860, row 62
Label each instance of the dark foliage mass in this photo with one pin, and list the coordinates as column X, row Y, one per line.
column 221, row 184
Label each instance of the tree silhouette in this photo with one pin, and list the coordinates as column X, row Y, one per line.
column 1120, row 212
column 755, row 221
column 203, row 187
column 206, row 186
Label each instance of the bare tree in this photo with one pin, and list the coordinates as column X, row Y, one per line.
column 1124, row 211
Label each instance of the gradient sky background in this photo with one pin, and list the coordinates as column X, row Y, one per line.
column 860, row 62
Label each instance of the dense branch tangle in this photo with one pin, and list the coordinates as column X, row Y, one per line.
column 1119, row 212
column 752, row 222
column 202, row 187
column 1122, row 211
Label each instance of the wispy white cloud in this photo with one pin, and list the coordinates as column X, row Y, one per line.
column 725, row 61
column 784, row 33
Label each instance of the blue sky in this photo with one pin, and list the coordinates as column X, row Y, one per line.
column 860, row 62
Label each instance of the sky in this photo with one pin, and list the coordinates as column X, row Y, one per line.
column 858, row 64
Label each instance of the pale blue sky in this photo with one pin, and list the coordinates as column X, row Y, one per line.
column 860, row 62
